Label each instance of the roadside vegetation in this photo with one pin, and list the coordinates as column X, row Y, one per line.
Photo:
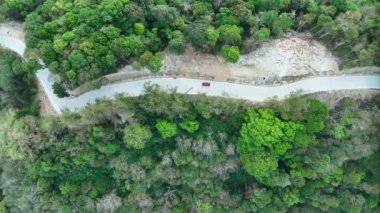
column 17, row 86
column 175, row 153
column 83, row 40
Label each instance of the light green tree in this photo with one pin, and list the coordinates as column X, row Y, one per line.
column 262, row 130
column 263, row 139
column 133, row 45
column 229, row 34
column 189, row 125
column 282, row 23
column 139, row 28
column 136, row 136
column 67, row 187
column 259, row 164
column 262, row 197
column 155, row 63
column 290, row 196
column 203, row 207
column 71, row 75
column 166, row 128
column 263, row 34
column 212, row 35
column 230, row 54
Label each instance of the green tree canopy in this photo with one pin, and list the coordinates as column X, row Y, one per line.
column 136, row 136
column 178, row 43
column 196, row 33
column 230, row 54
column 263, row 139
column 315, row 114
column 263, row 34
column 263, row 131
column 229, row 34
column 189, row 125
column 163, row 15
column 212, row 35
column 166, row 128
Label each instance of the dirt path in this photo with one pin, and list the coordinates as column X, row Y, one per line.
column 193, row 64
column 12, row 29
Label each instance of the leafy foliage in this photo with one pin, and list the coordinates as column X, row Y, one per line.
column 230, row 54
column 189, row 125
column 178, row 43
column 170, row 152
column 59, row 90
column 108, row 157
column 263, row 139
column 166, row 128
column 17, row 87
column 136, row 136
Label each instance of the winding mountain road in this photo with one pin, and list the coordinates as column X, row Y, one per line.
column 193, row 86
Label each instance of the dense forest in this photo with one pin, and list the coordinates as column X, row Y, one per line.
column 17, row 86
column 167, row 152
column 83, row 40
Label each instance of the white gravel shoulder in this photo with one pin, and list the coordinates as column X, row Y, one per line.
column 289, row 56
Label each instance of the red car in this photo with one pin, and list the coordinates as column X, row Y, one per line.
column 206, row 84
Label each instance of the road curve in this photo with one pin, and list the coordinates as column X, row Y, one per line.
column 14, row 44
column 193, row 86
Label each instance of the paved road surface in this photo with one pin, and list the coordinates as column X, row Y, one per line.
column 14, row 44
column 193, row 86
